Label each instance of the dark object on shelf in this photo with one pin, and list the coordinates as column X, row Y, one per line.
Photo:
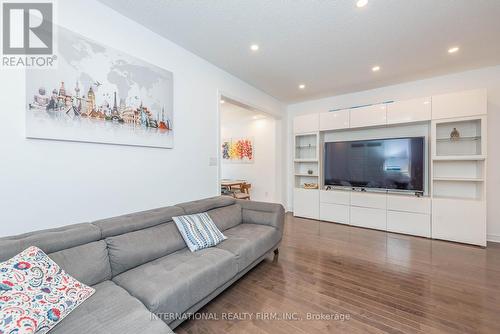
column 310, row 172
column 454, row 135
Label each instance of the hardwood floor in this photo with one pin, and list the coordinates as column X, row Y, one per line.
column 380, row 282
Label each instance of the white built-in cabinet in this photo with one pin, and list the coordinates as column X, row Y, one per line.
column 306, row 171
column 409, row 215
column 368, row 116
column 415, row 110
column 334, row 120
column 460, row 220
column 461, row 104
column 306, row 123
column 378, row 210
column 453, row 209
column 306, row 203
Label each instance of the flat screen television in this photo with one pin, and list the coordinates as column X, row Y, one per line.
column 395, row 163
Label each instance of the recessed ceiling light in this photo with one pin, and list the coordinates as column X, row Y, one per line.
column 302, row 86
column 222, row 101
column 361, row 3
column 254, row 47
column 453, row 49
column 376, row 68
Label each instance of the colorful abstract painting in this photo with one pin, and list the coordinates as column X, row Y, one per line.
column 101, row 95
column 238, row 150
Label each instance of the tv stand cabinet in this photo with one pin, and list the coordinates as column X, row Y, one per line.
column 399, row 213
column 453, row 206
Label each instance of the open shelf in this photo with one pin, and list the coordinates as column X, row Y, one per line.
column 458, row 140
column 458, row 189
column 306, row 159
column 457, row 198
column 306, row 147
column 458, row 157
column 457, row 179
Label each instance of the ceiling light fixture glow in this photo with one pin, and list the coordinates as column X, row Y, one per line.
column 302, row 86
column 254, row 47
column 222, row 101
column 361, row 3
column 453, row 49
column 376, row 68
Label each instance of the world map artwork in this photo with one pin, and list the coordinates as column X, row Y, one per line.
column 101, row 95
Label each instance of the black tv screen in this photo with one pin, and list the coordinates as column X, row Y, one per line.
column 396, row 163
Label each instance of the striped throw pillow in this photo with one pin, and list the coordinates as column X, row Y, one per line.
column 199, row 231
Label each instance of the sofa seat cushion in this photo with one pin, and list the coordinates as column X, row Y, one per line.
column 248, row 242
column 172, row 284
column 111, row 310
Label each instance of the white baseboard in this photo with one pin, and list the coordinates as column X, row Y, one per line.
column 493, row 237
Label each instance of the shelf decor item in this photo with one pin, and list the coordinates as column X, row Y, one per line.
column 310, row 186
column 455, row 135
column 310, row 172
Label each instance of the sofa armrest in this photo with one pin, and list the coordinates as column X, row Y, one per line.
column 263, row 213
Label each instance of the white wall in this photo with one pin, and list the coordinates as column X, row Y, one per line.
column 482, row 78
column 262, row 172
column 45, row 184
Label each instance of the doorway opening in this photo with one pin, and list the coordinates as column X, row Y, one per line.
column 248, row 152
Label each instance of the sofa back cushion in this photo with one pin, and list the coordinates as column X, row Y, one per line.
column 226, row 217
column 204, row 205
column 132, row 249
column 88, row 263
column 75, row 248
column 50, row 241
column 137, row 221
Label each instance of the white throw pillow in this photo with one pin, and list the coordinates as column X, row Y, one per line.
column 35, row 293
column 199, row 231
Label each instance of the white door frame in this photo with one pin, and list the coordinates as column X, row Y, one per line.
column 280, row 140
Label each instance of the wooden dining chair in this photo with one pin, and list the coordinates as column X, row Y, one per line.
column 244, row 192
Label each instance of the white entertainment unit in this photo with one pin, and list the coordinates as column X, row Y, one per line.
column 453, row 205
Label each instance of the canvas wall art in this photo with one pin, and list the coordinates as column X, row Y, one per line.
column 240, row 150
column 101, row 95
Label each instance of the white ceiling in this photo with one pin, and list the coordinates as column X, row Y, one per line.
column 329, row 45
column 232, row 112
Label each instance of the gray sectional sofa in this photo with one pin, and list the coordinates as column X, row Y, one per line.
column 140, row 266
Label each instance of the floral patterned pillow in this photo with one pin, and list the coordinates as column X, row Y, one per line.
column 35, row 293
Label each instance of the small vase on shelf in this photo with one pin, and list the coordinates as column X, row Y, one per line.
column 454, row 135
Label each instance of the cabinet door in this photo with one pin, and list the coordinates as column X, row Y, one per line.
column 335, row 213
column 335, row 196
column 306, row 123
column 369, row 200
column 370, row 218
column 468, row 103
column 306, row 203
column 409, row 203
column 368, row 116
column 409, row 223
column 334, row 120
column 459, row 220
column 415, row 110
